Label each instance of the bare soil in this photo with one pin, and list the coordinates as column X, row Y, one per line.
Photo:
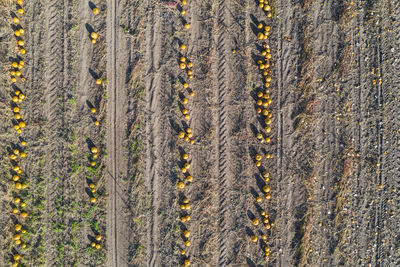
column 334, row 139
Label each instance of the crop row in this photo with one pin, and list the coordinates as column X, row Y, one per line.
column 262, row 106
column 187, row 135
column 17, row 150
column 94, row 156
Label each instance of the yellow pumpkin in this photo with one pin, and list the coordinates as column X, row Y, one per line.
column 186, row 233
column 255, row 221
column 266, row 189
column 181, row 185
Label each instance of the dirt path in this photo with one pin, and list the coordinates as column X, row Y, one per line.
column 112, row 210
column 289, row 186
column 151, row 87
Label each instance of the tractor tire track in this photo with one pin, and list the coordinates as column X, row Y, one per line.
column 35, row 71
column 55, row 160
column 356, row 62
column 365, row 210
column 222, row 143
column 35, row 60
column 387, row 126
column 68, row 258
column 381, row 178
column 391, row 142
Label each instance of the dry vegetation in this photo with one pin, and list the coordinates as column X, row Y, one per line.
column 199, row 133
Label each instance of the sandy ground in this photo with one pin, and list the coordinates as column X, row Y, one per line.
column 334, row 139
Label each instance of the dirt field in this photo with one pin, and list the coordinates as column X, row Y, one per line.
column 312, row 176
